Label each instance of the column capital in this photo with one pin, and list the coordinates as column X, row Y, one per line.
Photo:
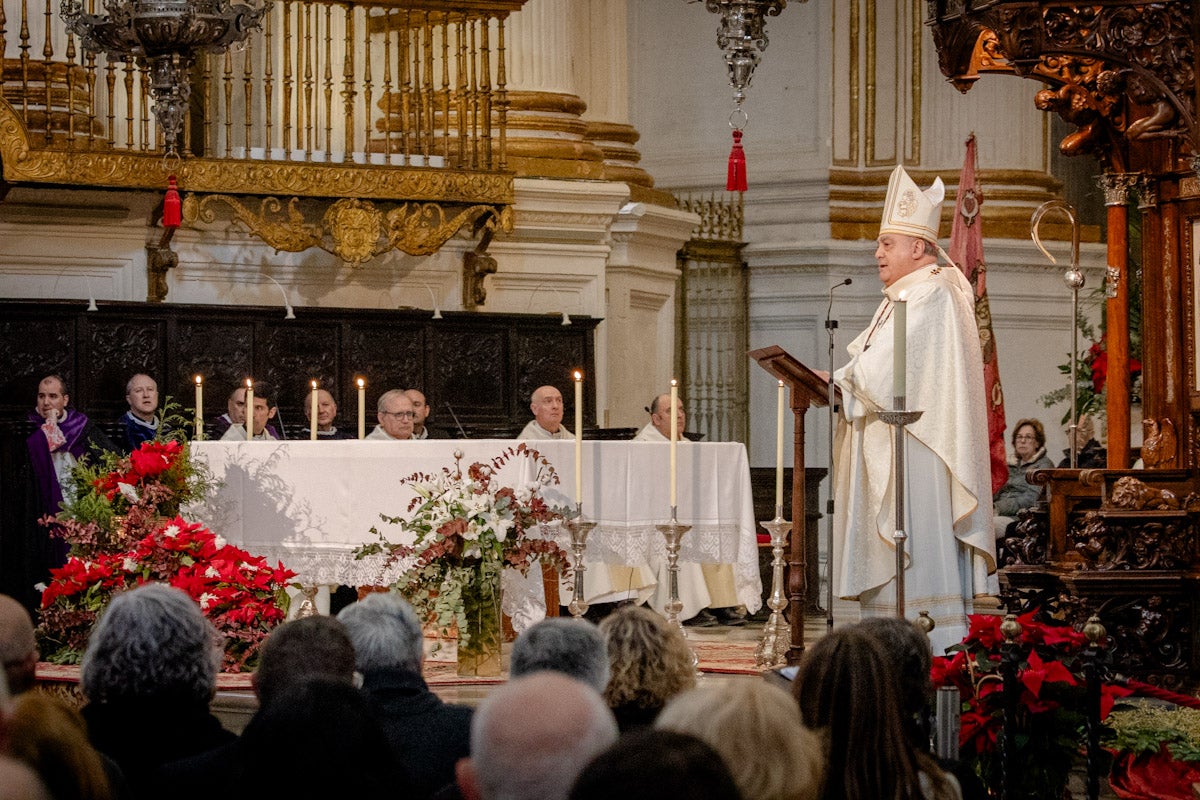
column 1116, row 186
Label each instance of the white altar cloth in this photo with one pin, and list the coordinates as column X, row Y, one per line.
column 309, row 504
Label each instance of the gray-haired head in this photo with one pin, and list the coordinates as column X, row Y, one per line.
column 559, row 644
column 153, row 643
column 531, row 737
column 386, row 633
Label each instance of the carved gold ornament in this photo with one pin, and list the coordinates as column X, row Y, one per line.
column 353, row 230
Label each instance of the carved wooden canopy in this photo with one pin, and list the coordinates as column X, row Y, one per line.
column 1122, row 72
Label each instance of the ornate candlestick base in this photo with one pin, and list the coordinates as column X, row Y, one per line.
column 777, row 634
column 579, row 530
column 898, row 418
column 673, row 532
column 308, row 606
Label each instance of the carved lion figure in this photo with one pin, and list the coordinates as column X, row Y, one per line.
column 1132, row 494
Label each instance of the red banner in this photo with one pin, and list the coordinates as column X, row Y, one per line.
column 966, row 250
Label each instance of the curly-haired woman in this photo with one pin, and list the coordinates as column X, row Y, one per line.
column 650, row 663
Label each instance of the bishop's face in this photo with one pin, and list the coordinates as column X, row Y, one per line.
column 898, row 255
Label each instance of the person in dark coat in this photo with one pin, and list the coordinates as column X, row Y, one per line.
column 427, row 735
column 140, row 423
column 310, row 717
column 148, row 675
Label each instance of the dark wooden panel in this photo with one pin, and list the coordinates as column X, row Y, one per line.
column 470, row 369
column 483, row 365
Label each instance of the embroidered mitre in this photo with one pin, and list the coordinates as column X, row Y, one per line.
column 911, row 211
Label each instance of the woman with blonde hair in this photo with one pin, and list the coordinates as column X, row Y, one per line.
column 755, row 728
column 650, row 663
column 50, row 736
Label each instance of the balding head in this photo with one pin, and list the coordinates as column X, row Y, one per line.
column 532, row 737
column 18, row 647
column 660, row 415
column 546, row 403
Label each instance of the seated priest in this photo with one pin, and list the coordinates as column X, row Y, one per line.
column 706, row 590
column 547, row 407
column 421, row 408
column 396, row 416
column 265, row 408
column 326, row 414
column 64, row 435
column 236, row 415
column 140, row 423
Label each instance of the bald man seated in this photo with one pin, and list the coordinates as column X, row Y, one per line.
column 18, row 647
column 707, row 591
column 531, row 737
column 546, row 403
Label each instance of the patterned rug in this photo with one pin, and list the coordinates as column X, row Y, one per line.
column 727, row 658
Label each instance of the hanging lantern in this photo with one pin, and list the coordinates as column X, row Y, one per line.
column 742, row 36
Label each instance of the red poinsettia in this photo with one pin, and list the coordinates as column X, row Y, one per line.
column 1050, row 710
column 241, row 594
column 1097, row 359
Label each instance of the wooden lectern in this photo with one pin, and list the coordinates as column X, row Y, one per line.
column 806, row 389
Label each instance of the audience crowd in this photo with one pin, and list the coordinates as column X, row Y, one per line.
column 588, row 712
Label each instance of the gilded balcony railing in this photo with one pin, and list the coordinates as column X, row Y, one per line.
column 399, row 100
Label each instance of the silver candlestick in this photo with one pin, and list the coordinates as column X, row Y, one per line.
column 898, row 418
column 673, row 532
column 777, row 634
column 579, row 530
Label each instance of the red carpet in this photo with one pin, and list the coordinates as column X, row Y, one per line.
column 727, row 658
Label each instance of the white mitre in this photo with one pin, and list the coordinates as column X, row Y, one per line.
column 911, row 211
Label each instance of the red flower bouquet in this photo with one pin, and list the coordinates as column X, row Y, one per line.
column 123, row 525
column 1051, row 712
column 241, row 594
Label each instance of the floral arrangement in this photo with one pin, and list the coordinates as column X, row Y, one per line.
column 123, row 526
column 466, row 527
column 241, row 594
column 1092, row 371
column 1157, row 751
column 1051, row 711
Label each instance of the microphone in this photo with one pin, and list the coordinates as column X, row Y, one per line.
column 830, row 323
column 454, row 416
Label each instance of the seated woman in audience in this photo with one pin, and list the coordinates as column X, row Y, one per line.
column 650, row 663
column 907, row 649
column 1029, row 452
column 846, row 691
column 755, row 728
column 50, row 736
column 651, row 764
column 148, row 674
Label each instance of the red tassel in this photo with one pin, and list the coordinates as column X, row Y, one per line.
column 736, row 179
column 172, row 214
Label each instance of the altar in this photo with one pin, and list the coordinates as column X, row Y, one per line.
column 310, row 504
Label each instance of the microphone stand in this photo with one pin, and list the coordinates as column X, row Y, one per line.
column 454, row 416
column 831, row 326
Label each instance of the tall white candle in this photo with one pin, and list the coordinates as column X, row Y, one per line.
column 312, row 413
column 249, row 409
column 362, row 409
column 199, row 407
column 674, row 437
column 578, row 437
column 779, row 449
column 900, row 347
